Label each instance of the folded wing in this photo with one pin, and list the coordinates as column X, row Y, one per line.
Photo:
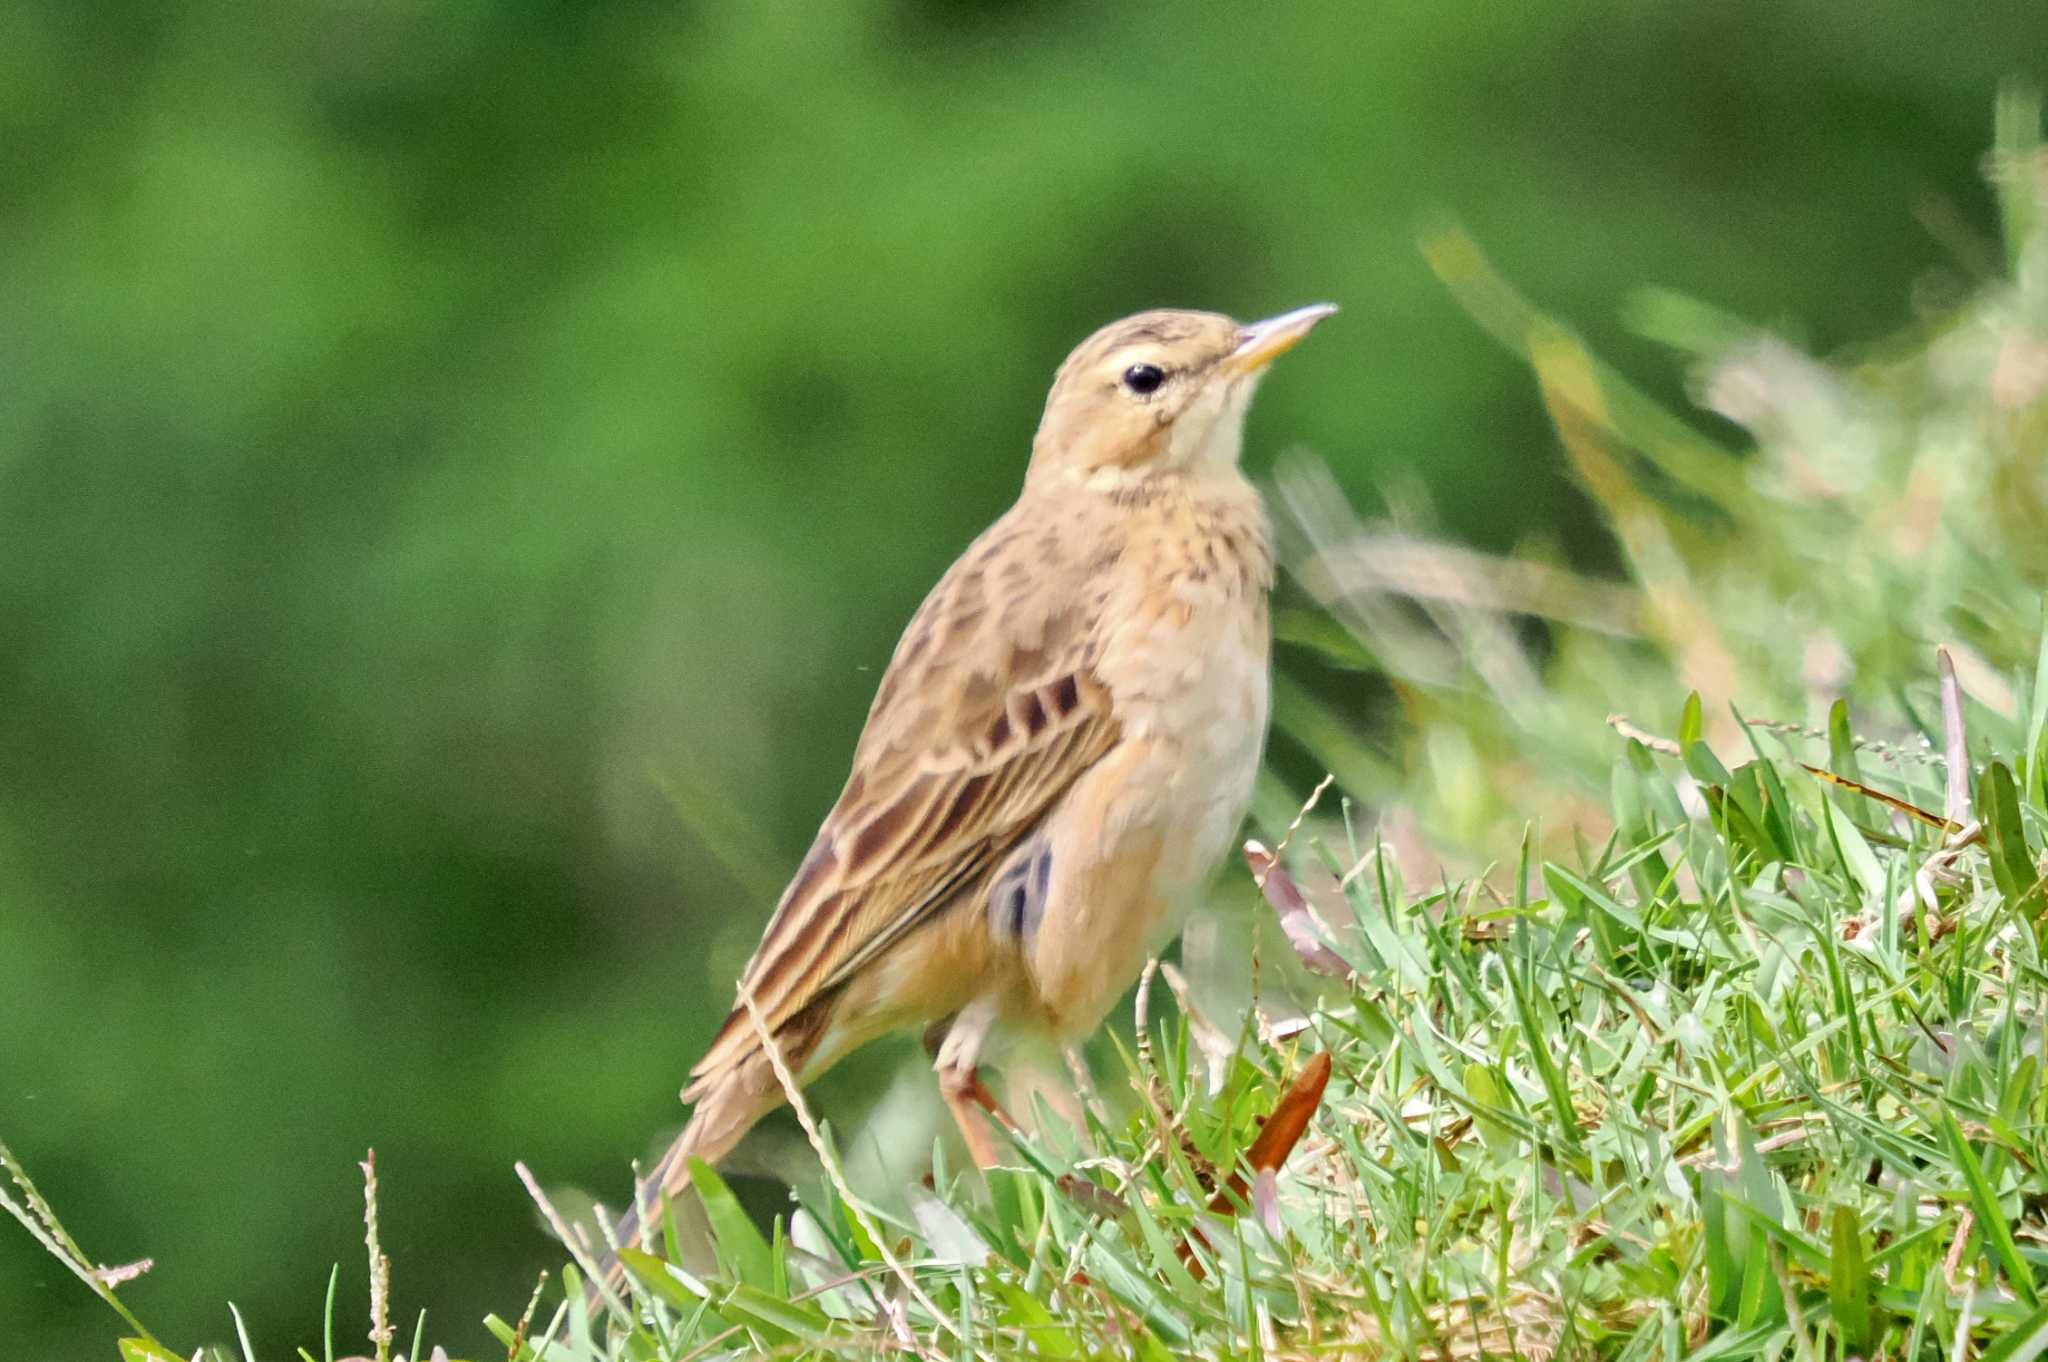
column 987, row 714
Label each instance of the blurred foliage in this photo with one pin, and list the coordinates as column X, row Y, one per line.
column 1879, row 506
column 462, row 465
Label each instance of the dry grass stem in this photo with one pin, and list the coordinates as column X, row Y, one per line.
column 380, row 1265
column 854, row 1206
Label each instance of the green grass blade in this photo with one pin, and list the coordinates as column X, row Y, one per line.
column 741, row 1249
column 1991, row 1220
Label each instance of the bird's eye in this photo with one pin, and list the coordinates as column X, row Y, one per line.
column 1144, row 379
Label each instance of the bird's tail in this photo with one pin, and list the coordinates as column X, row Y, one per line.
column 729, row 1103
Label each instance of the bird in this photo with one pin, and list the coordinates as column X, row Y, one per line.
column 1060, row 750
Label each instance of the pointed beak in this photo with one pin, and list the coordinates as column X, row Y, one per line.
column 1263, row 342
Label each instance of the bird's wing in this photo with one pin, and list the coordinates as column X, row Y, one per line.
column 988, row 712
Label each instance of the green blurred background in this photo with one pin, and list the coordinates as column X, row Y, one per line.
column 462, row 465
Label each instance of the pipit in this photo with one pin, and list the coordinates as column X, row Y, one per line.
column 1060, row 751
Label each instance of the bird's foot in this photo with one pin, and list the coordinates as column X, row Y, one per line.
column 971, row 1103
column 957, row 1062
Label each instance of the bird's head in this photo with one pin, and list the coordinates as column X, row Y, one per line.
column 1163, row 391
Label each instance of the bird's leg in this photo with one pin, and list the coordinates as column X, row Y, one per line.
column 957, row 1065
column 978, row 1093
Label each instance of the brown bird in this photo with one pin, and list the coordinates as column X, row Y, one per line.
column 1060, row 751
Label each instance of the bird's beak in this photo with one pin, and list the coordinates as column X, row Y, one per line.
column 1263, row 342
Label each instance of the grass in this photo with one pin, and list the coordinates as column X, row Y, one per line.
column 1654, row 1030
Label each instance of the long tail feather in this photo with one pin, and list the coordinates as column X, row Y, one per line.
column 737, row 1100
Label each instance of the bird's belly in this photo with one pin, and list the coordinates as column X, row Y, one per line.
column 1196, row 778
column 1143, row 829
column 1195, row 698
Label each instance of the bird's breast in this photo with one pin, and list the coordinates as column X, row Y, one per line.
column 1184, row 654
column 1178, row 640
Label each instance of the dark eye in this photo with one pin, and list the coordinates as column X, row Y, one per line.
column 1144, row 379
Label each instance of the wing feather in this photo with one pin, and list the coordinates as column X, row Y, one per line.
column 988, row 712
